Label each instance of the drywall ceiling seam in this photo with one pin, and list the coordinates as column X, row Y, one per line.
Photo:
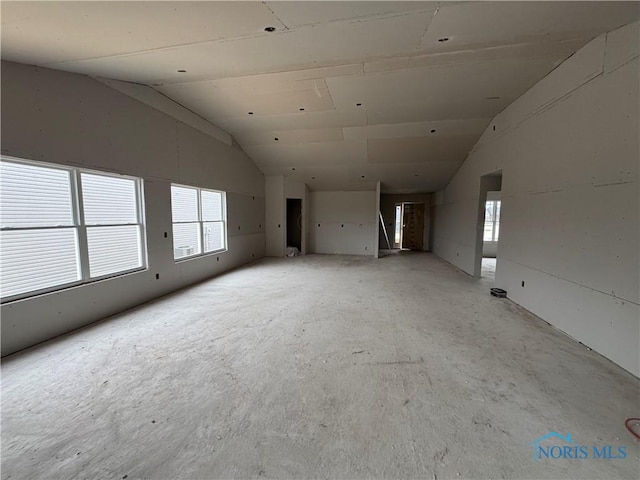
column 168, row 106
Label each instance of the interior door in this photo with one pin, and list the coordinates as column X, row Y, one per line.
column 413, row 226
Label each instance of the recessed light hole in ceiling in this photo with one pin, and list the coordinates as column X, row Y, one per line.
column 269, row 29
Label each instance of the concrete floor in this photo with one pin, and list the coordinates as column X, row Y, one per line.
column 315, row 367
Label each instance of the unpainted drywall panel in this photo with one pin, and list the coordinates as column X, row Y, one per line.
column 74, row 120
column 343, row 222
column 623, row 46
column 133, row 26
column 568, row 151
column 313, row 12
column 598, row 320
column 275, row 215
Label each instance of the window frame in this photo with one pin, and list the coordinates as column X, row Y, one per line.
column 201, row 223
column 80, row 227
column 496, row 221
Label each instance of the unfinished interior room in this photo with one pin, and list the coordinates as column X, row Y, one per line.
column 314, row 239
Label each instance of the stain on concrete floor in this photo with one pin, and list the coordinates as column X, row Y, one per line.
column 315, row 367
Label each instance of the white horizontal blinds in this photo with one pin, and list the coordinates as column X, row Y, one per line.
column 186, row 239
column 110, row 206
column 109, row 200
column 39, row 240
column 185, row 213
column 211, row 206
column 33, row 260
column 184, row 204
column 34, row 196
column 114, row 249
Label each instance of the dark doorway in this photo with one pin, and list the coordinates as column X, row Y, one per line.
column 294, row 223
column 413, row 226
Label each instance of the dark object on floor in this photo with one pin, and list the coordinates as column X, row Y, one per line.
column 633, row 425
column 498, row 292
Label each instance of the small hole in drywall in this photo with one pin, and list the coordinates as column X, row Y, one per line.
column 253, row 198
column 358, row 104
column 238, row 227
column 260, row 226
column 250, row 113
column 253, row 254
column 443, row 39
column 523, row 283
column 182, row 71
column 318, row 224
column 276, row 138
column 342, row 225
column 494, row 128
column 278, row 225
column 269, row 29
column 313, row 178
column 217, row 259
column 362, row 176
column 415, row 175
column 433, row 130
column 157, row 276
column 165, row 234
column 301, row 109
column 293, row 168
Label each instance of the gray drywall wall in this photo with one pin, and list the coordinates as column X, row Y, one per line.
column 71, row 119
column 568, row 150
column 275, row 215
column 342, row 222
column 388, row 202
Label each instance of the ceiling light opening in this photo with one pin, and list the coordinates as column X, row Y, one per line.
column 269, row 29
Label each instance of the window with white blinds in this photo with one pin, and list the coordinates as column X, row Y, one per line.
column 63, row 226
column 198, row 221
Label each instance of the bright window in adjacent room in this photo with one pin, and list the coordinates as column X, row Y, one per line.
column 63, row 226
column 198, row 221
column 492, row 220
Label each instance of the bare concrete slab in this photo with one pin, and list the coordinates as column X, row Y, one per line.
column 316, row 367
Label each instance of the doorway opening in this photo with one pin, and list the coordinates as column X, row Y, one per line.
column 294, row 226
column 409, row 226
column 488, row 227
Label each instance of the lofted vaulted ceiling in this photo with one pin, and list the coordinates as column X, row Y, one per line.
column 340, row 94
